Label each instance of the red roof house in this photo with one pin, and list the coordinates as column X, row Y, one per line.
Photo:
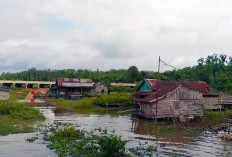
column 161, row 99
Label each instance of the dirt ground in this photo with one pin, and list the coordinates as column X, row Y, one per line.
column 4, row 95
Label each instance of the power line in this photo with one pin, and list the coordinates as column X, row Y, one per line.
column 166, row 64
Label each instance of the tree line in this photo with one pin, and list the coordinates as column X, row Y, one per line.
column 215, row 69
column 130, row 75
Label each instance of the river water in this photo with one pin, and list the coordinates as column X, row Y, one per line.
column 135, row 131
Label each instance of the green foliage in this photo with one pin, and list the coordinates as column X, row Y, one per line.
column 114, row 98
column 215, row 70
column 90, row 103
column 111, row 146
column 217, row 116
column 69, row 141
column 123, row 75
column 16, row 118
column 32, row 139
column 16, row 94
column 19, row 111
column 143, row 151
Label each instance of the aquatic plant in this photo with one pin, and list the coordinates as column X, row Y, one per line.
column 32, row 139
column 143, row 151
column 70, row 141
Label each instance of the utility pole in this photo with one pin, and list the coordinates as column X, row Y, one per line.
column 157, row 90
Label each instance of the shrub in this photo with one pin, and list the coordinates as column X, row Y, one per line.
column 69, row 141
column 16, row 110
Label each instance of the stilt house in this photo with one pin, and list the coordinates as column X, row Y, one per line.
column 73, row 87
column 164, row 99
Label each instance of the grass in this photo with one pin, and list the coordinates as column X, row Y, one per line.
column 16, row 94
column 93, row 103
column 215, row 117
column 17, row 118
column 70, row 141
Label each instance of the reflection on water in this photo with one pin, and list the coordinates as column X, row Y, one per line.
column 130, row 128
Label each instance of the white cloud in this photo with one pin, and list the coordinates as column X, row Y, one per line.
column 111, row 34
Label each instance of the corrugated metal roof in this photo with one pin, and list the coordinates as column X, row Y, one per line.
column 74, row 82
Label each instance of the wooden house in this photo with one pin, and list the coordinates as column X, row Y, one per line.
column 168, row 99
column 73, row 88
column 225, row 101
column 210, row 99
column 99, row 88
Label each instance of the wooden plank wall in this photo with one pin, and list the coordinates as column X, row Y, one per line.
column 182, row 102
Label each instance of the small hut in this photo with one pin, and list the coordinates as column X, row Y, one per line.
column 168, row 99
column 99, row 88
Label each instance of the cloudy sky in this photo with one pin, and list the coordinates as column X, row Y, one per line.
column 106, row 34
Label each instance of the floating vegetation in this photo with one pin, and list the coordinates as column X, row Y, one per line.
column 32, row 139
column 68, row 140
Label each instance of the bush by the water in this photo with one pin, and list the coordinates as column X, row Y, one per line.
column 16, row 118
column 70, row 141
column 217, row 116
column 19, row 111
column 90, row 103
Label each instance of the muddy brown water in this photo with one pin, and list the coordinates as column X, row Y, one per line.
column 134, row 130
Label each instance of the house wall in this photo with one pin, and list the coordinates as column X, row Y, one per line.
column 211, row 103
column 99, row 90
column 183, row 102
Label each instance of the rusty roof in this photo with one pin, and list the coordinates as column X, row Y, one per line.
column 74, row 82
column 166, row 87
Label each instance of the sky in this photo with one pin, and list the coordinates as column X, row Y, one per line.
column 111, row 34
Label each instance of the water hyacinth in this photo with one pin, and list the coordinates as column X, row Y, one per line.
column 70, row 141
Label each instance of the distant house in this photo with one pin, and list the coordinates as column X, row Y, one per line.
column 225, row 100
column 73, row 87
column 99, row 89
column 163, row 99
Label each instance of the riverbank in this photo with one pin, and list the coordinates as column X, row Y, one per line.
column 97, row 104
column 17, row 118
